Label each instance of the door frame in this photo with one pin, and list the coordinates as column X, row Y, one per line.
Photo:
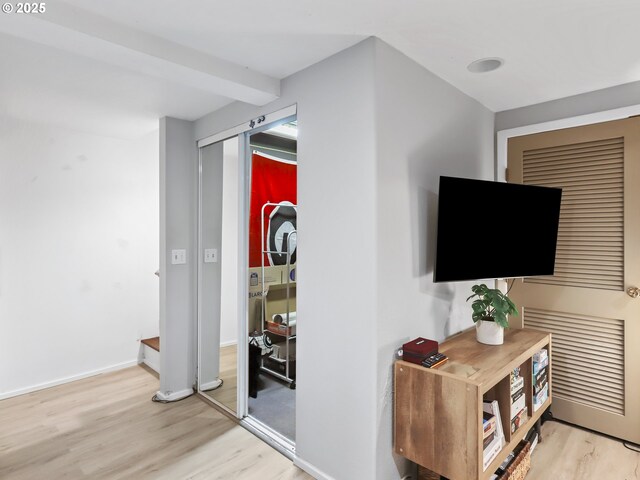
column 503, row 136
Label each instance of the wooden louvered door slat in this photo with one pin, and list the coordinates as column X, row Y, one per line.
column 595, row 324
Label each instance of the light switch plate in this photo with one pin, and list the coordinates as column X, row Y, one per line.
column 210, row 255
column 178, row 257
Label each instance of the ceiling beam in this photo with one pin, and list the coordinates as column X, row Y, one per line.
column 66, row 27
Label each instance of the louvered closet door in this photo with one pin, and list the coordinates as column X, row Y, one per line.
column 585, row 304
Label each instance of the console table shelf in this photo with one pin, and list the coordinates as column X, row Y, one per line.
column 438, row 412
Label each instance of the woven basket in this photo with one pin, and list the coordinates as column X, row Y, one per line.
column 520, row 465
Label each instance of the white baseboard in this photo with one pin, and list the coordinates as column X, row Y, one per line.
column 228, row 344
column 311, row 470
column 73, row 378
column 173, row 396
column 210, row 385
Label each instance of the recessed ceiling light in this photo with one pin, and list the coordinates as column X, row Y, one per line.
column 485, row 65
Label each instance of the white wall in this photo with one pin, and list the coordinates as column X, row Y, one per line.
column 426, row 128
column 335, row 410
column 586, row 103
column 78, row 252
column 178, row 283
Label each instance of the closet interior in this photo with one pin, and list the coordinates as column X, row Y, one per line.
column 272, row 314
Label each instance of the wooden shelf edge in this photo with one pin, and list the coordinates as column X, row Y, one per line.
column 437, row 371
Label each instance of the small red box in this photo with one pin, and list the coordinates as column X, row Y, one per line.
column 417, row 350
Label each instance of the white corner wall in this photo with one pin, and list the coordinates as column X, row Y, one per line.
column 336, row 273
column 78, row 252
column 425, row 128
column 376, row 131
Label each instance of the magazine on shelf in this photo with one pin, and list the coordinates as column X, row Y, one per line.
column 517, row 405
column 541, row 355
column 538, row 365
column 540, row 397
column 540, row 381
column 519, row 420
column 517, row 384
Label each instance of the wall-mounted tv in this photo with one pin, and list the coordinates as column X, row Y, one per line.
column 495, row 230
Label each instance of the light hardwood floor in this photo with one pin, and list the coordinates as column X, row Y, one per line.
column 228, row 392
column 107, row 427
column 570, row 453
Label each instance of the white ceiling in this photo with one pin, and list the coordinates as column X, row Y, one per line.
column 50, row 86
column 119, row 65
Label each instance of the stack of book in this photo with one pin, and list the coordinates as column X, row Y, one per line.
column 518, row 400
column 493, row 435
column 488, row 429
column 540, row 379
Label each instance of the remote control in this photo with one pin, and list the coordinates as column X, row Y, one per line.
column 434, row 360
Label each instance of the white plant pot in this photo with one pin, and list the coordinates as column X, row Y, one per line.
column 489, row 333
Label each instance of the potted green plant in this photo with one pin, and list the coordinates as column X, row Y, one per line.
column 490, row 310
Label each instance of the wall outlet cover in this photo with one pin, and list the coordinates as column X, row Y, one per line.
column 178, row 257
column 210, row 255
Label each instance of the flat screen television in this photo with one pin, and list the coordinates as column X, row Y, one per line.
column 495, row 230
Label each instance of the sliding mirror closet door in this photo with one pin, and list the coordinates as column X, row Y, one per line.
column 218, row 274
column 272, row 314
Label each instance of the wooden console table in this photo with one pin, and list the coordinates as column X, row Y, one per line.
column 438, row 412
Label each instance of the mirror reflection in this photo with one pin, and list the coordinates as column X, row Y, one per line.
column 217, row 303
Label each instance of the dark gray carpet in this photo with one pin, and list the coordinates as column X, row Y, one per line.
column 275, row 406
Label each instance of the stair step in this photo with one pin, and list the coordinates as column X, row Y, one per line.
column 152, row 342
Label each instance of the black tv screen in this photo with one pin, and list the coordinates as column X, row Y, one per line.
column 495, row 230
